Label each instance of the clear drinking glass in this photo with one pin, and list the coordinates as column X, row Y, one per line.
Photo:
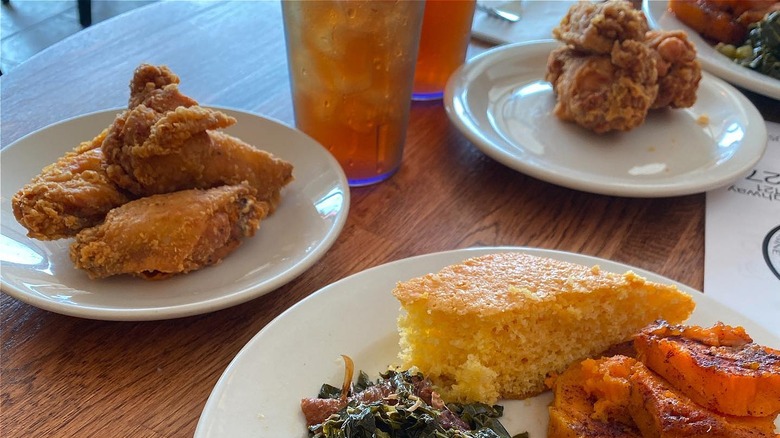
column 351, row 70
column 446, row 31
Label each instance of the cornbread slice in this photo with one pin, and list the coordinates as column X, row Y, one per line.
column 494, row 326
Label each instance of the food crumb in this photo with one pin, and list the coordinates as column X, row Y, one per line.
column 703, row 120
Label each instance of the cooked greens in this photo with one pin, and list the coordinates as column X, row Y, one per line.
column 400, row 405
column 761, row 50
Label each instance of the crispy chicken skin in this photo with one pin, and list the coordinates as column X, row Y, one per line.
column 594, row 27
column 679, row 72
column 151, row 152
column 720, row 367
column 143, row 148
column 162, row 143
column 76, row 192
column 604, row 93
column 68, row 195
column 148, row 80
column 163, row 235
column 612, row 70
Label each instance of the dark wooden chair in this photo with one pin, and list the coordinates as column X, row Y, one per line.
column 85, row 11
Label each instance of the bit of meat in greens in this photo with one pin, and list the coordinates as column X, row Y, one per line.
column 398, row 405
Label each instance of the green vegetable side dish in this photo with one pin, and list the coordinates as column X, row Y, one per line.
column 761, row 50
column 400, row 405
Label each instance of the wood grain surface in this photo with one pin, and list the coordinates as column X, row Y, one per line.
column 70, row 377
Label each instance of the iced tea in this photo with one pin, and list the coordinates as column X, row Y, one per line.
column 445, row 37
column 351, row 70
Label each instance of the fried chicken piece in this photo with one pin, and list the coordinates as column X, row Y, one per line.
column 604, row 92
column 151, row 152
column 162, row 235
column 76, row 192
column 679, row 72
column 593, row 28
column 68, row 195
column 148, row 80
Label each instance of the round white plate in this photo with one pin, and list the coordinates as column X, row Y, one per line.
column 259, row 393
column 501, row 102
column 309, row 219
column 659, row 17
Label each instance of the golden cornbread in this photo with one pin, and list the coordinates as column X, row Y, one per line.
column 493, row 326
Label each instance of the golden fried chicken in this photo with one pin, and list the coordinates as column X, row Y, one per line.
column 68, row 195
column 612, row 70
column 604, row 93
column 147, row 81
column 75, row 192
column 594, row 27
column 150, row 152
column 163, row 235
column 679, row 72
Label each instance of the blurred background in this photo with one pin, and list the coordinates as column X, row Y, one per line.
column 30, row 26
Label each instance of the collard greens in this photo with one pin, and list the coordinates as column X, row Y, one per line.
column 403, row 412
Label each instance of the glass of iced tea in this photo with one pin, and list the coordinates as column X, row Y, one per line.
column 445, row 37
column 351, row 70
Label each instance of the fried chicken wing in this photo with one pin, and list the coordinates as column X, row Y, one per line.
column 604, row 92
column 593, row 28
column 76, row 192
column 163, row 235
column 150, row 152
column 679, row 72
column 148, row 81
column 68, row 195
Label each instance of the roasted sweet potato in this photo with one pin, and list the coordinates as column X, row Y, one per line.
column 709, row 21
column 591, row 400
column 719, row 368
column 662, row 411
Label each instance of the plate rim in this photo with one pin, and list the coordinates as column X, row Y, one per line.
column 196, row 307
column 751, row 80
column 457, row 86
column 206, row 420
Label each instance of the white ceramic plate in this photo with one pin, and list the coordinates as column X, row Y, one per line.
column 312, row 213
column 537, row 20
column 501, row 102
column 711, row 60
column 259, row 393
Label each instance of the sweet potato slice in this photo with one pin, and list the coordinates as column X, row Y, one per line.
column 591, row 400
column 712, row 23
column 719, row 368
column 662, row 411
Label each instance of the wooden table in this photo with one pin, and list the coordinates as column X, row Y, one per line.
column 66, row 376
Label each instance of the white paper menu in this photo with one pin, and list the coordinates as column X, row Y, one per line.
column 742, row 240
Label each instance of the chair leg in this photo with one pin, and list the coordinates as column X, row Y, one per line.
column 85, row 12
